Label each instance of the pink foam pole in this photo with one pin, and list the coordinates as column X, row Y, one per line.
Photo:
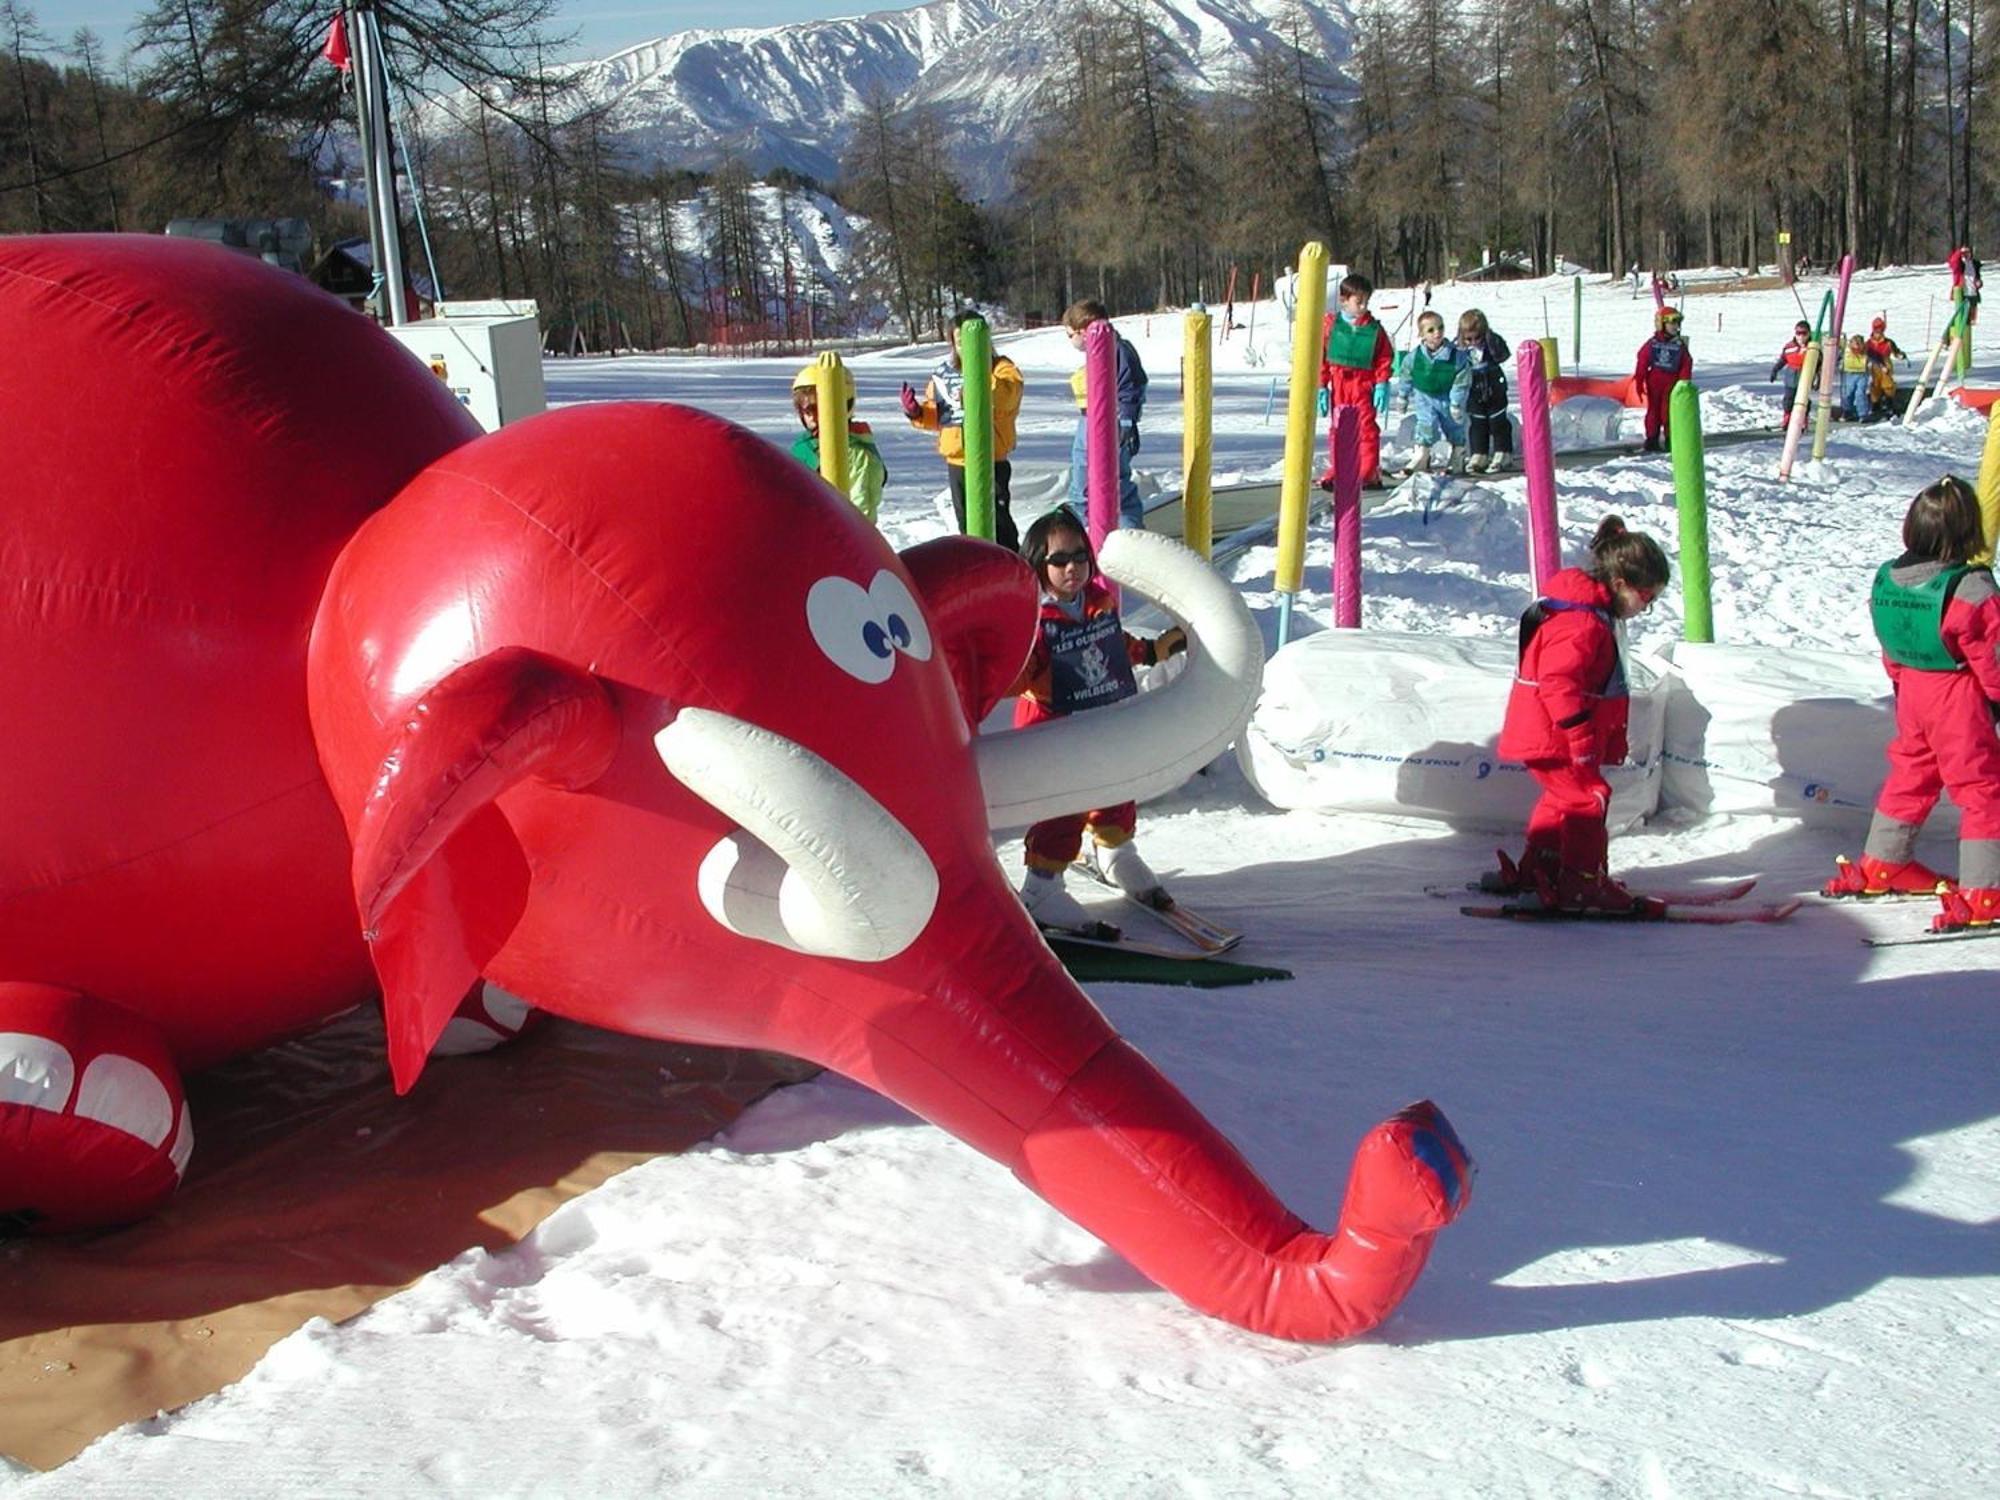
column 1840, row 295
column 1100, row 429
column 1538, row 461
column 1346, row 445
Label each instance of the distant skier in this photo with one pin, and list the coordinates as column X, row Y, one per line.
column 1790, row 360
column 1437, row 379
column 1566, row 718
column 1490, row 429
column 1882, row 378
column 1937, row 617
column 1355, row 358
column 1854, row 379
column 1664, row 361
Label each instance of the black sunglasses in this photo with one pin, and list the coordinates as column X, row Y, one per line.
column 1064, row 559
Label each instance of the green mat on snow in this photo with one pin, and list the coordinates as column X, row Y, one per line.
column 1087, row 962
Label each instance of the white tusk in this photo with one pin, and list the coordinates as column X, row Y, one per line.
column 817, row 865
column 1152, row 742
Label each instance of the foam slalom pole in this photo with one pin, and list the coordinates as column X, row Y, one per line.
column 1197, row 431
column 1299, row 434
column 1829, row 365
column 1346, row 445
column 975, row 363
column 1691, row 498
column 1794, row 429
column 1988, row 489
column 1100, row 430
column 1948, row 347
column 1576, row 323
column 1538, row 462
column 1840, row 294
column 831, row 383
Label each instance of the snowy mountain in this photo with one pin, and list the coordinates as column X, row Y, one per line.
column 790, row 95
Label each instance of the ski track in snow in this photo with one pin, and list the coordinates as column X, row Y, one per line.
column 1734, row 1231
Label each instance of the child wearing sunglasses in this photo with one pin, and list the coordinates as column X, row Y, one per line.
column 1082, row 659
column 1937, row 616
column 1664, row 361
column 1566, row 718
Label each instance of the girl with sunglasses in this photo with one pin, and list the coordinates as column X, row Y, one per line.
column 1566, row 718
column 1664, row 361
column 1082, row 659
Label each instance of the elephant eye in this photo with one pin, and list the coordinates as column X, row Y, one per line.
column 905, row 621
column 846, row 626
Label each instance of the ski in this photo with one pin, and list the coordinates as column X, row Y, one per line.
column 1711, row 916
column 1706, row 895
column 1118, row 943
column 1915, row 939
column 1208, row 935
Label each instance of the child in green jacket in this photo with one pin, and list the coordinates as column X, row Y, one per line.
column 866, row 473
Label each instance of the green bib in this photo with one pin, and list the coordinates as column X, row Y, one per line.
column 1909, row 622
column 1434, row 377
column 1350, row 347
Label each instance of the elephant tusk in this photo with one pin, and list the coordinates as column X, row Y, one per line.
column 815, row 864
column 1150, row 743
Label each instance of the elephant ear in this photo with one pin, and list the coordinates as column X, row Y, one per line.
column 439, row 878
column 982, row 605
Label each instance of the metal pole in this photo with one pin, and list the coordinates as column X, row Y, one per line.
column 364, row 121
column 382, row 169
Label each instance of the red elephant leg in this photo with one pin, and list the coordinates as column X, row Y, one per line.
column 1124, row 1154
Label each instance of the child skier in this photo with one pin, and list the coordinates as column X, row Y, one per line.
column 1355, row 357
column 942, row 410
column 1938, row 619
column 1082, row 659
column 1566, row 717
column 1789, row 360
column 1132, row 382
column 1663, row 362
column 1854, row 375
column 1490, row 428
column 1882, row 387
column 1438, row 379
column 866, row 473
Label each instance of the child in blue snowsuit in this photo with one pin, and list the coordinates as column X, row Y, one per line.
column 1132, row 384
column 1436, row 381
column 1491, row 429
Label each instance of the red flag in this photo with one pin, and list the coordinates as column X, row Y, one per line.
column 335, row 50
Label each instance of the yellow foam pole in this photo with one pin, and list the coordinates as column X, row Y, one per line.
column 1300, row 438
column 1989, row 487
column 830, row 387
column 1197, row 432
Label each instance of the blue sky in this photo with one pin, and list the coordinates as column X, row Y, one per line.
column 602, row 26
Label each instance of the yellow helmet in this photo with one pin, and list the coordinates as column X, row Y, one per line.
column 805, row 380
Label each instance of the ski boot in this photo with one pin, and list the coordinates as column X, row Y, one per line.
column 1871, row 877
column 1498, row 462
column 1455, row 460
column 1589, row 892
column 1476, row 464
column 1051, row 905
column 1420, row 463
column 1121, row 865
column 1515, row 878
column 1973, row 906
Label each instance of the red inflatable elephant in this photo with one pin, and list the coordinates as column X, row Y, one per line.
column 318, row 694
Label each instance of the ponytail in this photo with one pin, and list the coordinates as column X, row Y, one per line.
column 1628, row 556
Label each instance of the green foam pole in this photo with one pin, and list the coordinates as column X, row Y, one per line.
column 1691, row 492
column 975, row 361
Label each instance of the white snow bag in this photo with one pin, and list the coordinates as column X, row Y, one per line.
column 1777, row 729
column 1378, row 721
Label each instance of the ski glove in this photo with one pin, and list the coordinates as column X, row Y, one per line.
column 1169, row 642
column 1325, row 401
column 1128, row 439
column 910, row 407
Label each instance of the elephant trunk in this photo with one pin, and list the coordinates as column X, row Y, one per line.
column 1125, row 1155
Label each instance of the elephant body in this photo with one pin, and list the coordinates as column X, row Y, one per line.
column 620, row 708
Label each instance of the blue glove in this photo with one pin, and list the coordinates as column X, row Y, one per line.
column 1381, row 399
column 1458, row 415
column 1325, row 401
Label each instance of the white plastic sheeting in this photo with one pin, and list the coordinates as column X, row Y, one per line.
column 1382, row 722
column 1764, row 729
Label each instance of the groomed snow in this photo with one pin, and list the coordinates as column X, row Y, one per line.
column 1735, row 1225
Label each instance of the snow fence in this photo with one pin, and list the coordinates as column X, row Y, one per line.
column 1389, row 723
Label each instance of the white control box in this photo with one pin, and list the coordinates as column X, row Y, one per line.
column 489, row 354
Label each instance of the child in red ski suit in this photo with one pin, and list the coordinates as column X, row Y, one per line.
column 1355, row 357
column 1664, row 361
column 1082, row 659
column 1566, row 717
column 1938, row 619
column 1790, row 360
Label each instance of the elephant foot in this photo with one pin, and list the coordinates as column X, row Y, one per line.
column 93, row 1125
column 1124, row 1154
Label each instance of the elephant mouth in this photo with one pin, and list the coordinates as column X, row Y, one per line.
column 814, row 864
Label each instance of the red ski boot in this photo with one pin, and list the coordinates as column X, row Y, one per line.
column 1593, row 892
column 1514, row 879
column 1976, row 906
column 1873, row 877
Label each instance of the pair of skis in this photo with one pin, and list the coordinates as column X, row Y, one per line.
column 1710, row 906
column 1204, row 938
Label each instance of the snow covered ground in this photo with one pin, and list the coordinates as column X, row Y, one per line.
column 1737, row 1225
